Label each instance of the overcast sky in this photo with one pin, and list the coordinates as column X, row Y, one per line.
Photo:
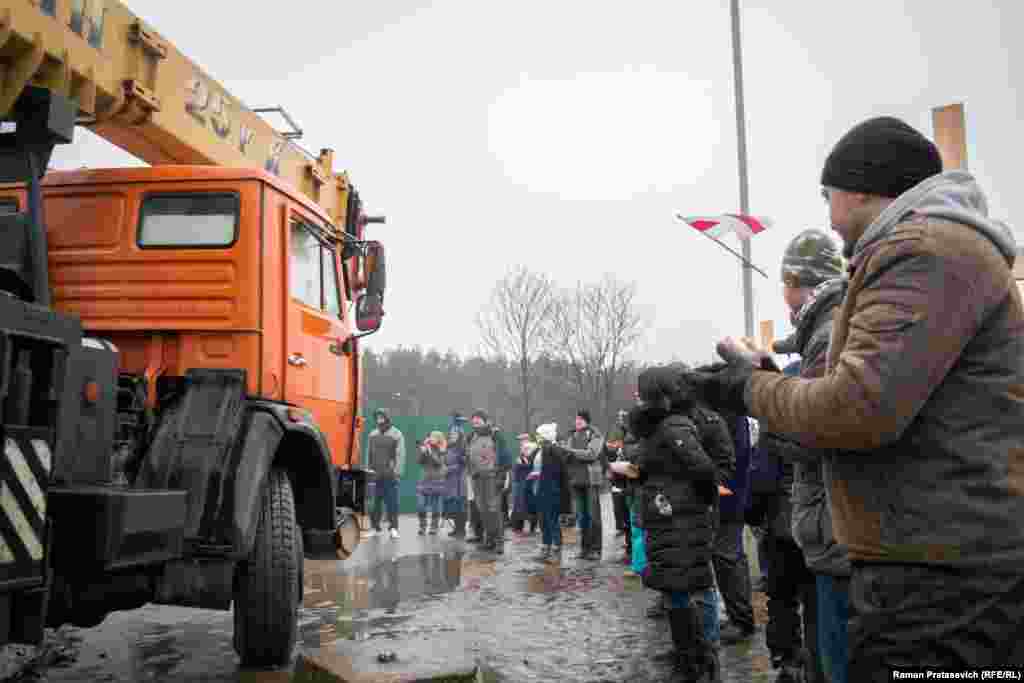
column 563, row 134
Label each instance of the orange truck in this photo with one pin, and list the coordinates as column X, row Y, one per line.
column 179, row 344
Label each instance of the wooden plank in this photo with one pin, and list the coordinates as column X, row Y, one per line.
column 951, row 135
column 767, row 333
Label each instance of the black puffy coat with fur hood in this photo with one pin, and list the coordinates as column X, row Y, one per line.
column 678, row 485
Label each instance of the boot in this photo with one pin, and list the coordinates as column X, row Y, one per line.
column 790, row 668
column 584, row 551
column 435, row 522
column 659, row 609
column 423, row 523
column 705, row 652
column 556, row 554
column 460, row 525
column 544, row 554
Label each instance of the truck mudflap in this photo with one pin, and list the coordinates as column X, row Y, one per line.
column 193, row 446
column 219, row 446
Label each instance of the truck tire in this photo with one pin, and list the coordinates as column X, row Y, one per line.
column 268, row 586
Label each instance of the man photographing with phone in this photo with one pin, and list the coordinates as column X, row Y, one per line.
column 920, row 414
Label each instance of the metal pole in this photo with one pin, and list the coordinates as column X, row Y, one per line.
column 741, row 146
column 733, row 252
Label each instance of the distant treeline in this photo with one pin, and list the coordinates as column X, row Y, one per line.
column 414, row 382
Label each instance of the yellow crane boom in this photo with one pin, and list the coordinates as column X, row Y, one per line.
column 135, row 89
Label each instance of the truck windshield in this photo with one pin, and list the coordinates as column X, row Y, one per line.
column 189, row 220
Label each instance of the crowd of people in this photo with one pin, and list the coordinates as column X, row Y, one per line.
column 882, row 471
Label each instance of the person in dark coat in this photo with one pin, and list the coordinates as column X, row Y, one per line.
column 550, row 475
column 731, row 568
column 678, row 505
column 455, row 483
column 523, row 499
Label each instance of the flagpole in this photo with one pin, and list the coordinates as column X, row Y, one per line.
column 741, row 146
column 732, row 251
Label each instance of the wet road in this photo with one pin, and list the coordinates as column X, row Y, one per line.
column 438, row 604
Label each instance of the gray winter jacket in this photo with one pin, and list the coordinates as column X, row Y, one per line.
column 811, row 515
column 585, row 465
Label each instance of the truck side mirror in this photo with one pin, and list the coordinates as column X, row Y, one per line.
column 376, row 269
column 369, row 311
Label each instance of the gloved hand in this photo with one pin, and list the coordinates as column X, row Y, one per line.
column 722, row 385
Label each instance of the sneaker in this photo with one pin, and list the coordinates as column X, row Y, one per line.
column 370, row 533
column 394, row 533
column 422, row 532
column 433, row 531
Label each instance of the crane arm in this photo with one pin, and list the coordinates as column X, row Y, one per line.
column 134, row 88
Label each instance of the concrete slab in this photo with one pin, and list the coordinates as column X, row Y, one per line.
column 432, row 659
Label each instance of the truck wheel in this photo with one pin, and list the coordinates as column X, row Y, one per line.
column 268, row 586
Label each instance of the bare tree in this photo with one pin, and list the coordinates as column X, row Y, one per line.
column 595, row 328
column 515, row 325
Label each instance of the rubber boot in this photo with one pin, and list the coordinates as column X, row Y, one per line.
column 660, row 608
column 584, row 552
column 435, row 522
column 423, row 523
column 790, row 668
column 705, row 668
column 684, row 641
column 460, row 525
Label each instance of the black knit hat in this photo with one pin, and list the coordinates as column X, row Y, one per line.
column 881, row 156
column 585, row 414
column 481, row 414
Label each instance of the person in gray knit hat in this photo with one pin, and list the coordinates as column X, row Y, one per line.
column 813, row 570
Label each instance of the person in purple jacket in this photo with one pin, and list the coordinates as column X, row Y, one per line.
column 455, row 483
column 433, row 456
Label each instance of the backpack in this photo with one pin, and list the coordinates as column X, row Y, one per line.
column 482, row 453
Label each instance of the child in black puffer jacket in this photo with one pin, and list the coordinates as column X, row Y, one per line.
column 678, row 487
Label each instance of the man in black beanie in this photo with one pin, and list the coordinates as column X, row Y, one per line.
column 919, row 417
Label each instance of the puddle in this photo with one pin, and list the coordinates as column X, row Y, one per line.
column 434, row 602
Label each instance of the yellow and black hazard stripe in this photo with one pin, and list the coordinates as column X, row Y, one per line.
column 24, row 477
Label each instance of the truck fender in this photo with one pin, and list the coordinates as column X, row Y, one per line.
column 272, row 439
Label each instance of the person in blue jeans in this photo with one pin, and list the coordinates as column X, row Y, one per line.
column 813, row 289
column 549, row 476
column 386, row 457
column 678, row 509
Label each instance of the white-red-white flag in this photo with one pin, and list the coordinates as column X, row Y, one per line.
column 741, row 225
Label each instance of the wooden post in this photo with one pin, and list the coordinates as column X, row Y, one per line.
column 767, row 333
column 951, row 135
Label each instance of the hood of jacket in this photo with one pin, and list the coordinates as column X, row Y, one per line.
column 952, row 195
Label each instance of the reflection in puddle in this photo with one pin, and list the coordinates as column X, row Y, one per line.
column 341, row 606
